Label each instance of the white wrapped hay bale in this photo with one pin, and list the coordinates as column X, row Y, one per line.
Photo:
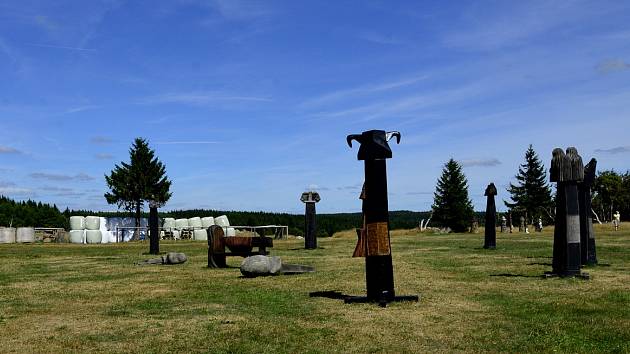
column 7, row 234
column 105, row 234
column 222, row 220
column 25, row 235
column 230, row 232
column 169, row 223
column 194, row 222
column 207, row 222
column 92, row 223
column 77, row 223
column 181, row 223
column 77, row 236
column 93, row 236
column 200, row 235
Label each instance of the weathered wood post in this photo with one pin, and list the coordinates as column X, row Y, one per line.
column 310, row 224
column 379, row 274
column 566, row 170
column 490, row 240
column 587, row 235
column 154, row 233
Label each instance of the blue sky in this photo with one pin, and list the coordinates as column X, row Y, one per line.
column 248, row 102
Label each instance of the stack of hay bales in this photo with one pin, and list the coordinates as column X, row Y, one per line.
column 224, row 223
column 7, row 234
column 181, row 225
column 169, row 226
column 107, row 236
column 25, row 235
column 77, row 229
column 207, row 222
column 93, row 233
column 199, row 233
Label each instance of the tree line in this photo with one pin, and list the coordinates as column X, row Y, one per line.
column 30, row 213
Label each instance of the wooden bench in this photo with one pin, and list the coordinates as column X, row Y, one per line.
column 238, row 246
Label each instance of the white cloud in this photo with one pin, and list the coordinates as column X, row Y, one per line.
column 9, row 150
column 615, row 150
column 60, row 177
column 199, row 98
column 480, row 162
column 612, row 65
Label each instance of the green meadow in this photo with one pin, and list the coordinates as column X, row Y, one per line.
column 93, row 298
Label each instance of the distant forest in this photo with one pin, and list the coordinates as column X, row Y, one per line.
column 32, row 213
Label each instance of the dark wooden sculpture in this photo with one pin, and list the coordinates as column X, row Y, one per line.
column 310, row 224
column 238, row 246
column 566, row 170
column 490, row 240
column 379, row 274
column 587, row 235
column 154, row 233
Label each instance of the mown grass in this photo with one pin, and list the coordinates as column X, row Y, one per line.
column 83, row 298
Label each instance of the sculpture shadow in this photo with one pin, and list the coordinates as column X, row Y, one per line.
column 304, row 249
column 510, row 275
column 329, row 294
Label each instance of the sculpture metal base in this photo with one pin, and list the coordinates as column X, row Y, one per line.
column 382, row 301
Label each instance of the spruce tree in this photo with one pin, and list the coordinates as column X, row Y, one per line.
column 451, row 206
column 531, row 195
column 141, row 180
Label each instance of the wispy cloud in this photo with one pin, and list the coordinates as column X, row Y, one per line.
column 615, row 150
column 238, row 10
column 362, row 90
column 17, row 192
column 7, row 50
column 79, row 109
column 612, row 65
column 61, row 47
column 104, row 156
column 62, row 191
column 5, row 184
column 480, row 162
column 9, row 150
column 101, row 140
column 60, row 177
column 199, row 98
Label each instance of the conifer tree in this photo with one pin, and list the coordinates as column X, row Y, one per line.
column 141, row 180
column 451, row 206
column 531, row 195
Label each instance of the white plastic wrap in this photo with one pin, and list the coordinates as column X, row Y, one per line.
column 106, row 234
column 230, row 232
column 181, row 223
column 92, row 223
column 201, row 235
column 222, row 220
column 93, row 236
column 169, row 223
column 194, row 222
column 25, row 235
column 77, row 223
column 7, row 234
column 77, row 236
column 176, row 234
column 207, row 222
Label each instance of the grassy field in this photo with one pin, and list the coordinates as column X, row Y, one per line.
column 80, row 298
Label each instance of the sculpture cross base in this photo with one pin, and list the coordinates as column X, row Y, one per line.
column 382, row 300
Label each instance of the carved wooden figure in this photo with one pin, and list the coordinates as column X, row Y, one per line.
column 490, row 239
column 379, row 274
column 587, row 235
column 310, row 224
column 566, row 170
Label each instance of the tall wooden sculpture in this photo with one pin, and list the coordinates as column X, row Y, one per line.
column 587, row 236
column 310, row 224
column 490, row 240
column 379, row 274
column 567, row 170
column 154, row 233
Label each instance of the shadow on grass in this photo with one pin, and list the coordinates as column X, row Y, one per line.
column 510, row 275
column 304, row 249
column 329, row 294
column 540, row 263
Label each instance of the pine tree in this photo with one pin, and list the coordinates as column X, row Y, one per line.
column 141, row 180
column 451, row 206
column 532, row 194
